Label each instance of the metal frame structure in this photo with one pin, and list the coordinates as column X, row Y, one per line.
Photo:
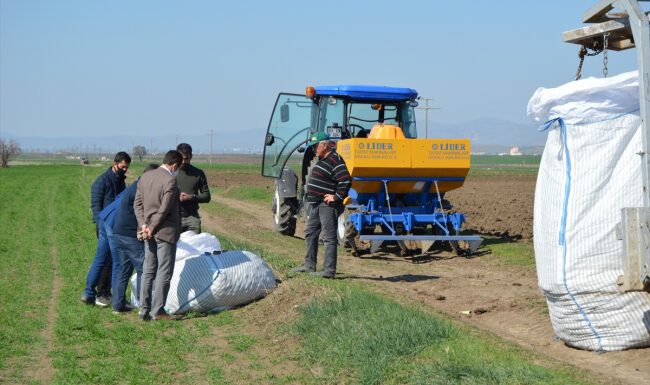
column 619, row 32
column 377, row 211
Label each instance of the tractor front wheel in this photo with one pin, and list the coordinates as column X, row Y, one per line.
column 285, row 211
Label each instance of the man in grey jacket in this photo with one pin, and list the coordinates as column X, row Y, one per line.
column 157, row 209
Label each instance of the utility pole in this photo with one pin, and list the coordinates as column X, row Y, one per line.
column 176, row 140
column 426, row 109
column 150, row 146
column 211, row 133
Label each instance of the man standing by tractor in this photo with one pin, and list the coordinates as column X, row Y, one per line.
column 194, row 190
column 329, row 183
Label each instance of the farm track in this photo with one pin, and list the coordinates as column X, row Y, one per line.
column 478, row 291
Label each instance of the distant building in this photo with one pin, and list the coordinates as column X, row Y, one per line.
column 514, row 151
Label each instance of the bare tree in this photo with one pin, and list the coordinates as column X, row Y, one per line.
column 139, row 151
column 8, row 151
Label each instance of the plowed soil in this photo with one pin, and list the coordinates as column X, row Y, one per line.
column 480, row 290
column 497, row 205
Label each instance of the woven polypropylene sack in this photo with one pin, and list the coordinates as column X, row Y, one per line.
column 191, row 244
column 589, row 171
column 208, row 283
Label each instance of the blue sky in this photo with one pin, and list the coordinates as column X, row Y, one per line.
column 96, row 68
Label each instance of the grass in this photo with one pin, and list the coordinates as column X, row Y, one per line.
column 367, row 339
column 461, row 360
column 345, row 335
column 492, row 165
column 511, row 253
column 249, row 193
column 364, row 334
column 511, row 161
column 25, row 252
column 53, row 243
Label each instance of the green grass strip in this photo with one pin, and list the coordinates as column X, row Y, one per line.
column 369, row 339
column 250, row 193
column 364, row 333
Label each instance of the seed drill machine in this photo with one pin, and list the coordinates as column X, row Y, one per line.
column 398, row 181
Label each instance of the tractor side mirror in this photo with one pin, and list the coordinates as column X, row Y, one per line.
column 270, row 139
column 284, row 113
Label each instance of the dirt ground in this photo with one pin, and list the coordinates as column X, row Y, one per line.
column 497, row 205
column 479, row 290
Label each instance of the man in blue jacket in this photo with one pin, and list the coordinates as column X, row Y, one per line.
column 130, row 248
column 103, row 192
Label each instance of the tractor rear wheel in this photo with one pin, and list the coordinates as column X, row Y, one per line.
column 346, row 233
column 285, row 211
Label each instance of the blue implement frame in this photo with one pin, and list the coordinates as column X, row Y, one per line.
column 422, row 209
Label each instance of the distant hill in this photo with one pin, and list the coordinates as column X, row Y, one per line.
column 489, row 135
column 490, row 132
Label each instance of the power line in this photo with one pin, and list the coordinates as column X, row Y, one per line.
column 426, row 109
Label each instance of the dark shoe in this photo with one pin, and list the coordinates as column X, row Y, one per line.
column 164, row 317
column 103, row 301
column 146, row 317
column 88, row 300
column 126, row 309
column 303, row 269
column 322, row 274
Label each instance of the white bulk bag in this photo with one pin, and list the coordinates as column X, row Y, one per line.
column 589, row 171
column 191, row 243
column 206, row 280
column 208, row 283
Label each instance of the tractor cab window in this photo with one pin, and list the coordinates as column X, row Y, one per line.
column 361, row 117
column 289, row 128
column 408, row 121
column 330, row 119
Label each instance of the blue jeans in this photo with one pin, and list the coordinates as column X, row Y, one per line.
column 130, row 253
column 105, row 249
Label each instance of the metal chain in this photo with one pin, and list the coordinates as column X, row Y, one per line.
column 605, row 42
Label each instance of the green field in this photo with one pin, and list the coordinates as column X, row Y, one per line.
column 307, row 331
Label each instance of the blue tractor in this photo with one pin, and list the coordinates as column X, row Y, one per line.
column 399, row 181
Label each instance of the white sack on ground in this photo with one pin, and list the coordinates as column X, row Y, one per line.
column 191, row 244
column 584, row 180
column 207, row 283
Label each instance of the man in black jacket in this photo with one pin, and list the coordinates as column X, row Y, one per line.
column 329, row 183
column 103, row 192
column 194, row 190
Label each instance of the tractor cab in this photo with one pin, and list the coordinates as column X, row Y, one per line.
column 343, row 112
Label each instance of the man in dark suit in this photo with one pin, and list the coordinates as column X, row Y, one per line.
column 157, row 209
